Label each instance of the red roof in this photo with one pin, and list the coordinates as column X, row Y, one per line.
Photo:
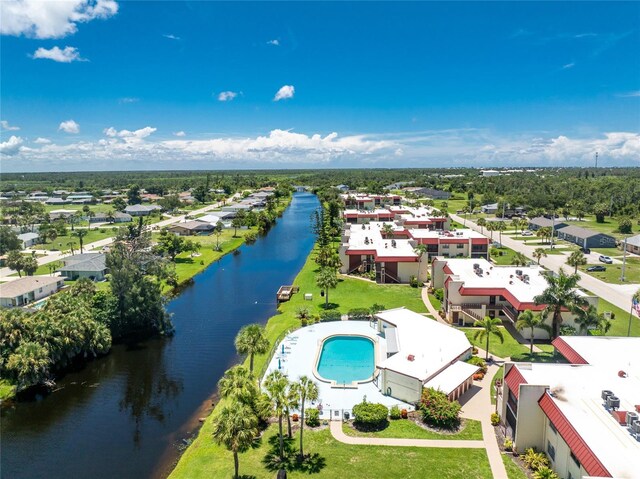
column 567, row 351
column 578, row 446
column 514, row 379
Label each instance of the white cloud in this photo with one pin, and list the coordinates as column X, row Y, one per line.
column 42, row 141
column 568, row 65
column 631, row 94
column 285, row 92
column 171, row 36
column 69, row 126
column 180, row 133
column 129, row 99
column 227, row 95
column 66, row 55
column 11, row 146
column 275, row 42
column 51, row 19
column 6, row 126
column 130, row 136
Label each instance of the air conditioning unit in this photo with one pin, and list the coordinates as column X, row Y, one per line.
column 613, row 402
column 635, row 427
column 605, row 394
column 518, row 272
column 631, row 417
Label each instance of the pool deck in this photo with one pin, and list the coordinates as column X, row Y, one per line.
column 299, row 359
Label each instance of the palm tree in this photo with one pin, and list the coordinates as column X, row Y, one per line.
column 251, row 340
column 544, row 233
column 489, row 326
column 307, row 391
column 111, row 216
column 516, row 223
column 519, row 259
column 235, row 427
column 387, row 230
column 276, row 386
column 291, row 402
column 481, row 222
column 561, row 294
column 528, row 320
column 635, row 305
column 465, row 210
column 420, row 250
column 500, row 227
column 238, row 384
column 491, row 227
column 80, row 233
column 576, row 259
column 539, row 253
column 52, row 234
column 589, row 318
column 327, row 279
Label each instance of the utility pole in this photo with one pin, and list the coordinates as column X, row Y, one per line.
column 553, row 226
column 624, row 260
column 596, row 159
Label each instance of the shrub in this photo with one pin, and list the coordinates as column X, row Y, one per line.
column 376, row 308
column 404, row 414
column 370, row 415
column 508, row 444
column 394, row 412
column 250, row 237
column 545, row 473
column 478, row 377
column 495, row 419
column 295, row 417
column 312, row 417
column 330, row 316
column 481, row 363
column 359, row 314
column 413, row 282
column 535, row 460
column 437, row 410
column 439, row 294
column 302, row 312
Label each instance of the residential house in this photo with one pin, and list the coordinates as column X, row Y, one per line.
column 633, row 244
column 192, row 228
column 343, row 188
column 583, row 415
column 475, row 288
column 23, row 291
column 489, row 209
column 29, row 239
column 118, row 217
column 87, row 265
column 141, row 210
column 422, row 353
column 56, row 201
column 432, row 193
column 487, row 173
column 543, row 222
column 586, row 238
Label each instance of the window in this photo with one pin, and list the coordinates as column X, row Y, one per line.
column 551, row 451
column 445, row 246
column 460, row 246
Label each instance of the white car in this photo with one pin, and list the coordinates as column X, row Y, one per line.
column 527, row 233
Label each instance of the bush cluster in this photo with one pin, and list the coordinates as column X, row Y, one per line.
column 394, row 412
column 495, row 419
column 535, row 460
column 312, row 417
column 370, row 415
column 477, row 361
column 330, row 316
column 439, row 294
column 359, row 314
column 438, row 411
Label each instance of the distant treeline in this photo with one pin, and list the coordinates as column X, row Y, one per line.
column 546, row 188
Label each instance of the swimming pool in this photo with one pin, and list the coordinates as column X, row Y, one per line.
column 346, row 359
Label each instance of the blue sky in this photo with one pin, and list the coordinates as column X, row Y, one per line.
column 107, row 84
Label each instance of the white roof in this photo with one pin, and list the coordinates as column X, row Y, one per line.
column 432, row 345
column 28, row 236
column 452, row 377
column 499, row 277
column 577, row 390
column 213, row 219
column 374, row 241
column 420, row 233
column 614, row 353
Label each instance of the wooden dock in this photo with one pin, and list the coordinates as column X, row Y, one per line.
column 285, row 293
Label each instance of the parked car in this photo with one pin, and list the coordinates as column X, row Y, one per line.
column 596, row 268
column 527, row 233
column 605, row 259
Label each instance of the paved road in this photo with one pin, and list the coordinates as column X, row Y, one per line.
column 52, row 256
column 617, row 294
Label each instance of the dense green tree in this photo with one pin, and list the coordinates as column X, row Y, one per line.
column 15, row 261
column 625, row 225
column 8, row 240
column 119, row 204
column 201, row 194
column 170, row 244
column 600, row 210
column 133, row 195
column 29, row 264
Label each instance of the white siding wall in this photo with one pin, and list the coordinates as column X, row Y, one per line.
column 401, row 387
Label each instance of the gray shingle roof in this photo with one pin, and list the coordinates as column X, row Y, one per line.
column 579, row 232
column 25, row 285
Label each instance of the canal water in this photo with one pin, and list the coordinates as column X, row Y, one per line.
column 123, row 416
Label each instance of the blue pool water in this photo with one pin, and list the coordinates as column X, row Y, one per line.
column 345, row 359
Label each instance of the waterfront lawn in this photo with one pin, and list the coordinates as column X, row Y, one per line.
column 614, row 271
column 7, row 389
column 505, row 350
column 407, row 428
column 333, row 459
column 514, row 471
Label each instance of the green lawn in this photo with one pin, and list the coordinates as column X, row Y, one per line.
column 614, row 271
column 543, row 357
column 406, row 428
column 333, row 459
column 620, row 323
column 509, row 348
column 514, row 471
column 43, row 269
column 498, row 375
column 505, row 258
column 608, row 251
column 435, row 302
column 7, row 389
column 96, row 233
